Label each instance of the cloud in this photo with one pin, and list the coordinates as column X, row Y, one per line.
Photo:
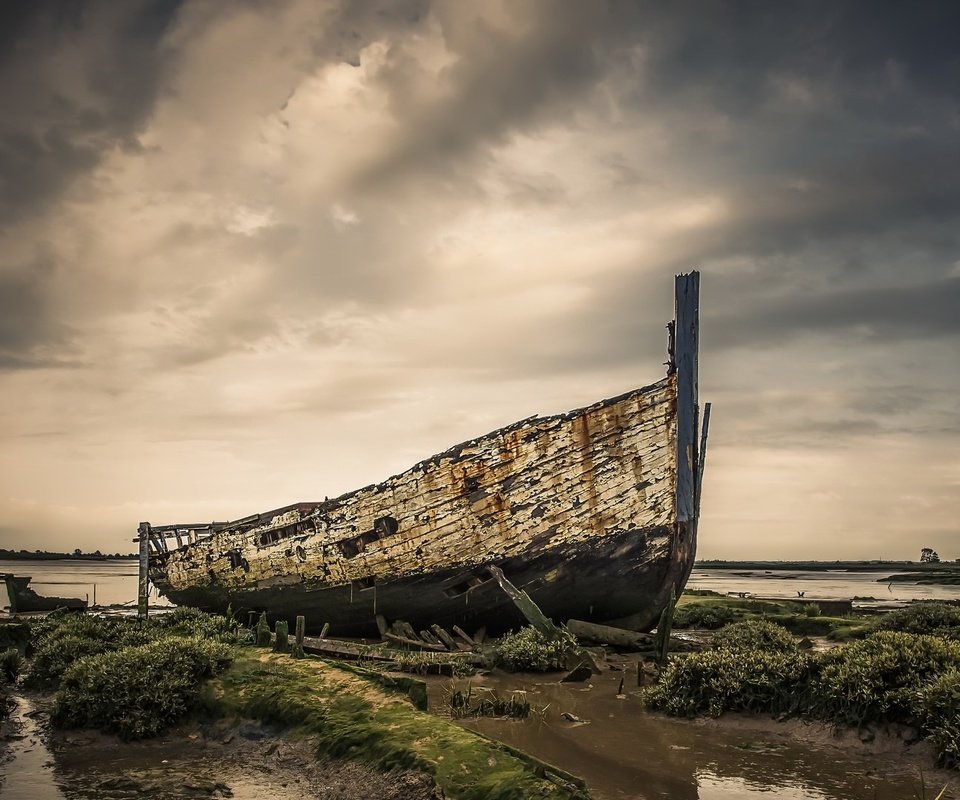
column 288, row 248
column 82, row 77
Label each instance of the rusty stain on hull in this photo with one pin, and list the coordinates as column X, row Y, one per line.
column 579, row 505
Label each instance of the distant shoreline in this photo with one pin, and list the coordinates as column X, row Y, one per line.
column 18, row 555
column 824, row 566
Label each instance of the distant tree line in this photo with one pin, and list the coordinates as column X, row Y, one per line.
column 44, row 555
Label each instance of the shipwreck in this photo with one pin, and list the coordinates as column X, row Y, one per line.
column 593, row 513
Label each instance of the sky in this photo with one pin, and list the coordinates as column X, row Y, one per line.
column 254, row 253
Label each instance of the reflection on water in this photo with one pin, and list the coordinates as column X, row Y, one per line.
column 625, row 752
column 28, row 773
column 116, row 582
column 713, row 787
column 84, row 765
column 824, row 585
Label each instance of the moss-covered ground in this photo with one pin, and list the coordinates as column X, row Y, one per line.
column 349, row 716
column 712, row 611
column 137, row 680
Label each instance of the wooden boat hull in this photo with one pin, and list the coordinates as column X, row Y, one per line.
column 623, row 580
column 592, row 512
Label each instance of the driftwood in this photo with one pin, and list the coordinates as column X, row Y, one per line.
column 467, row 638
column 574, row 655
column 335, row 648
column 446, row 638
column 415, row 644
column 527, row 607
column 431, row 639
column 605, row 634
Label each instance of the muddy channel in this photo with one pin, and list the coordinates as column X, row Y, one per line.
column 242, row 762
column 591, row 729
column 622, row 751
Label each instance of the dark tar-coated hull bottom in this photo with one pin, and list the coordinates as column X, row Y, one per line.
column 625, row 578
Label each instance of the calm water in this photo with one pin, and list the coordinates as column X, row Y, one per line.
column 825, row 585
column 627, row 753
column 115, row 582
column 111, row 582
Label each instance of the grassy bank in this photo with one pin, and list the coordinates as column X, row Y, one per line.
column 137, row 680
column 905, row 670
column 712, row 611
column 347, row 716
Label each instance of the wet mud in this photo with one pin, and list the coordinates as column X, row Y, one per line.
column 241, row 762
column 623, row 751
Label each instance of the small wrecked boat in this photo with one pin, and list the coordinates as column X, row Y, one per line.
column 23, row 598
column 593, row 513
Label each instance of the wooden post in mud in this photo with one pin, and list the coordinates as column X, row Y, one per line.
column 297, row 651
column 143, row 587
column 663, row 632
column 262, row 633
column 281, row 643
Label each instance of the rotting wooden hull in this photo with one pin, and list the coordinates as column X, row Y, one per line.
column 586, row 511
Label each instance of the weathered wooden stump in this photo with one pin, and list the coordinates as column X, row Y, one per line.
column 281, row 643
column 297, row 651
column 262, row 631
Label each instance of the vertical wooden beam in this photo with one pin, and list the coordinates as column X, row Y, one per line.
column 144, row 585
column 685, row 357
column 702, row 458
column 298, row 637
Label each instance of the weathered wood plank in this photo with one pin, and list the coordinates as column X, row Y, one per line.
column 704, row 430
column 444, row 637
column 467, row 638
column 527, row 607
column 415, row 644
column 605, row 634
column 428, row 637
column 143, row 584
column 685, row 360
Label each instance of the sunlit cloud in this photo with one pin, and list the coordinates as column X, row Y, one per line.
column 283, row 252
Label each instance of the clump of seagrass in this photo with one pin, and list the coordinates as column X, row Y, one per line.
column 528, row 650
column 887, row 677
column 139, row 691
column 11, row 662
column 487, row 703
column 58, row 640
column 941, row 619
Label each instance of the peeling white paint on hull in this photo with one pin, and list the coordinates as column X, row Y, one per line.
column 580, row 509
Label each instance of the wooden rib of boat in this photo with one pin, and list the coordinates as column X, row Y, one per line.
column 592, row 512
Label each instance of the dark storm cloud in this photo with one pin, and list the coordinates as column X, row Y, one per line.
column 724, row 52
column 76, row 79
column 927, row 311
column 29, row 335
column 504, row 77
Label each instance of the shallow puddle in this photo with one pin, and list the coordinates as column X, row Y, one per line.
column 83, row 765
column 27, row 771
column 624, row 752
